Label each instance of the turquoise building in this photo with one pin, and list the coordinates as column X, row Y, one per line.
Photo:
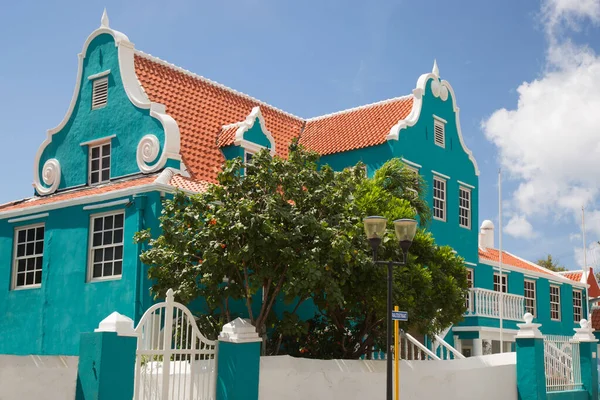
column 139, row 128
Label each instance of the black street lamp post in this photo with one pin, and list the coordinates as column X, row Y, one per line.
column 375, row 228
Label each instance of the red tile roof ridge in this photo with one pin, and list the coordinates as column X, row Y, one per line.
column 361, row 107
column 534, row 265
column 211, row 82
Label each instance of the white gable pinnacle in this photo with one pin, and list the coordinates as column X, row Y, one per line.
column 239, row 331
column 435, row 70
column 104, row 19
column 118, row 323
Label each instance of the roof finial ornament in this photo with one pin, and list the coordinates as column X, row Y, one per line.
column 436, row 70
column 104, row 20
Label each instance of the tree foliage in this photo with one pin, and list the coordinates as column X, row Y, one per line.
column 287, row 229
column 550, row 264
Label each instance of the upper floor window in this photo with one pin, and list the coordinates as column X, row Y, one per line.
column 530, row 297
column 28, row 256
column 500, row 285
column 464, row 207
column 99, row 164
column 555, row 302
column 99, row 93
column 439, row 131
column 469, row 285
column 439, row 198
column 248, row 156
column 577, row 305
column 106, row 246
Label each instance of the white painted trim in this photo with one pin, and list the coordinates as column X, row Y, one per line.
column 412, row 164
column 106, row 205
column 440, row 119
column 101, row 140
column 443, row 89
column 503, row 271
column 553, row 277
column 100, row 157
column 440, row 174
column 90, row 261
column 135, row 93
column 469, row 210
column 13, row 281
column 526, row 276
column 99, row 75
column 154, row 186
column 559, row 303
column 470, row 263
column 445, row 202
column 465, row 184
column 482, row 329
column 535, row 302
column 246, row 125
column 27, row 218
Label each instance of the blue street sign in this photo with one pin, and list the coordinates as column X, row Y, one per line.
column 399, row 315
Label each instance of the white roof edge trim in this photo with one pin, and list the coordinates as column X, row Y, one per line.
column 247, row 124
column 553, row 278
column 211, row 82
column 415, row 113
column 349, row 110
column 136, row 95
column 148, row 187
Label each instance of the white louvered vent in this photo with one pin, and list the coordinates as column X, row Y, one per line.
column 99, row 93
column 439, row 132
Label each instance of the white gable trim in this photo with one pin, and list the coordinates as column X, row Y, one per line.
column 440, row 89
column 246, row 125
column 99, row 75
column 135, row 93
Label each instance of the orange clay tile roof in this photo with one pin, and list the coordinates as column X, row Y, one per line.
column 509, row 259
column 572, row 275
column 205, row 110
column 594, row 288
column 201, row 108
column 77, row 193
column 184, row 183
column 355, row 128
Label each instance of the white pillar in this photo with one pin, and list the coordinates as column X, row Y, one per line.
column 477, row 347
column 457, row 344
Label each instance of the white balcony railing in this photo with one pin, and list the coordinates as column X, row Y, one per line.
column 486, row 303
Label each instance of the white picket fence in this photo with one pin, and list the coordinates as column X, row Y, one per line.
column 562, row 363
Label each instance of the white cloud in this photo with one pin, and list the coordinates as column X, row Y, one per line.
column 519, row 227
column 550, row 142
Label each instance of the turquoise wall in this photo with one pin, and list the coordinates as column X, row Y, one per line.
column 256, row 135
column 119, row 117
column 416, row 145
column 49, row 319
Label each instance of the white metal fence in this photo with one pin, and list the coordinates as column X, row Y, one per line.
column 174, row 361
column 562, row 363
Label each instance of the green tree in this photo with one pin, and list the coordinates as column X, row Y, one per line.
column 550, row 264
column 288, row 229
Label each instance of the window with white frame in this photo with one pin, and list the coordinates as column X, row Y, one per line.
column 106, row 247
column 577, row 305
column 439, row 198
column 28, row 256
column 439, row 132
column 498, row 286
column 248, row 156
column 530, row 306
column 555, row 302
column 99, row 163
column 464, row 207
column 470, row 286
column 99, row 93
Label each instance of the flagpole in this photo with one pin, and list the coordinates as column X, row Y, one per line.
column 500, row 260
column 586, row 270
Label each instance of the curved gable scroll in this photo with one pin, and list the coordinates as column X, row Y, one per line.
column 152, row 155
column 442, row 90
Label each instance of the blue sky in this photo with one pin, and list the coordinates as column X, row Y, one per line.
column 315, row 57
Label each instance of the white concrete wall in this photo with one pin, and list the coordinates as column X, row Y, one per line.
column 490, row 377
column 37, row 377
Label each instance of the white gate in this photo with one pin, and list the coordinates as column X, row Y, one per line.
column 562, row 364
column 174, row 361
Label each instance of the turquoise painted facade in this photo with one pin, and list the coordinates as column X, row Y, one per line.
column 48, row 317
